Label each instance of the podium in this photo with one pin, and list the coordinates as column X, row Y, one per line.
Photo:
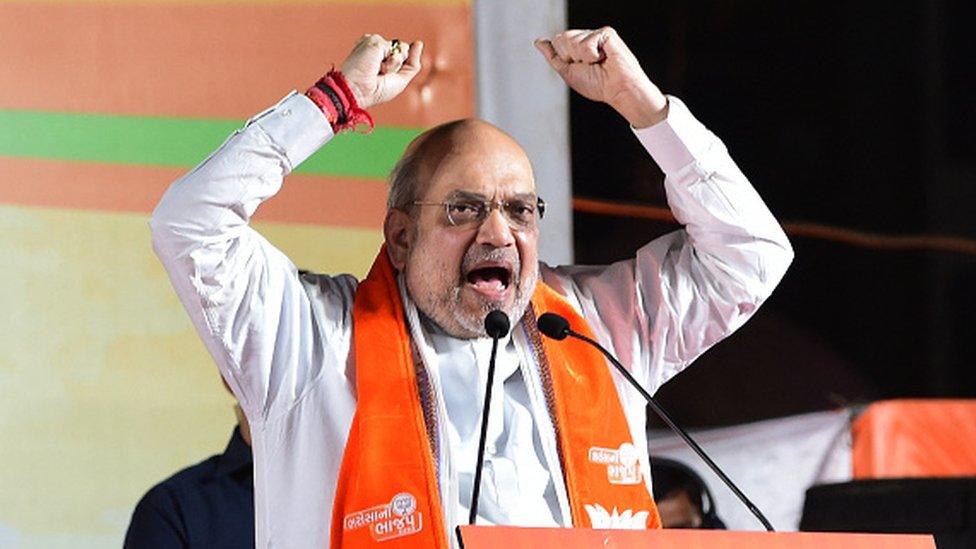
column 509, row 537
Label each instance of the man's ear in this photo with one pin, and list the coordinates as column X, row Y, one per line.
column 398, row 231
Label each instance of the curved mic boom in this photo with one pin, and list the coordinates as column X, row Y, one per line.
column 557, row 327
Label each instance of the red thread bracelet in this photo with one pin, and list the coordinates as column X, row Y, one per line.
column 334, row 98
column 325, row 104
column 354, row 115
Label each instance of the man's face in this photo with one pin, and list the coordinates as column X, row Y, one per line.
column 457, row 274
column 677, row 510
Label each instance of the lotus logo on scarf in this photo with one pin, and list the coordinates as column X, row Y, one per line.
column 389, row 520
column 600, row 518
column 623, row 464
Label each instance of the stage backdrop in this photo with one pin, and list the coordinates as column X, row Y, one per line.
column 104, row 386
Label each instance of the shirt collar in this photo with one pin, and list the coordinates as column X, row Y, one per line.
column 236, row 457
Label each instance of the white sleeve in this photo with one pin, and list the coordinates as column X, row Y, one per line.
column 687, row 290
column 242, row 294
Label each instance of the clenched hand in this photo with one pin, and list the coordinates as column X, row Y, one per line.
column 377, row 71
column 599, row 66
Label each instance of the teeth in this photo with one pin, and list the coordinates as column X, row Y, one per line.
column 489, row 280
column 490, row 285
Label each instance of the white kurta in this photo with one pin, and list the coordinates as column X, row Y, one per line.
column 283, row 342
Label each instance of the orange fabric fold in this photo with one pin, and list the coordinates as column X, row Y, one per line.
column 388, row 495
column 601, row 465
column 387, row 491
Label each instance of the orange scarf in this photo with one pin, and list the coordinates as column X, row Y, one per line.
column 387, row 489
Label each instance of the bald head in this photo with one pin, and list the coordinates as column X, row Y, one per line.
column 426, row 152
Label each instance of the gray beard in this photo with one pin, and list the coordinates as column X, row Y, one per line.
column 474, row 327
column 447, row 313
column 449, row 318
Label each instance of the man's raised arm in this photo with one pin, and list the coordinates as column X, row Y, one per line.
column 243, row 294
column 687, row 290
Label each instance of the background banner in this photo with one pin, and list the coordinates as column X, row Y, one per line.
column 105, row 388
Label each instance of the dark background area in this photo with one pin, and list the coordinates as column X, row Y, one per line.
column 858, row 115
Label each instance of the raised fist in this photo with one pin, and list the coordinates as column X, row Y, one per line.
column 378, row 69
column 599, row 66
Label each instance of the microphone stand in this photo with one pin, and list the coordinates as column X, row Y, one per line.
column 561, row 327
column 496, row 326
column 484, row 434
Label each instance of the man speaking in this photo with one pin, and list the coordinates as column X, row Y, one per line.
column 364, row 398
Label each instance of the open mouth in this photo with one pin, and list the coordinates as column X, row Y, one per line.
column 490, row 280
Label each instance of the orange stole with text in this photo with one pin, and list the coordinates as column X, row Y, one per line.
column 388, row 491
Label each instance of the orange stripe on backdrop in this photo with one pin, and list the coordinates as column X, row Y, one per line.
column 220, row 60
column 314, row 200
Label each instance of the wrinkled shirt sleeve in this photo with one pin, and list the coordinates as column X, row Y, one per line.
column 243, row 295
column 687, row 290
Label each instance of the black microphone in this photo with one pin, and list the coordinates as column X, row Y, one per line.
column 557, row 327
column 496, row 326
column 553, row 325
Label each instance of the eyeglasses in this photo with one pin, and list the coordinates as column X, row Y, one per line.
column 465, row 210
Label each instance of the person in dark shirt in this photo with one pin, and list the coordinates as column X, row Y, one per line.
column 209, row 505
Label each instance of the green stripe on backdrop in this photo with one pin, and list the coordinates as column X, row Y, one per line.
column 179, row 142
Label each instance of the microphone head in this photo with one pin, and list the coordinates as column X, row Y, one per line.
column 496, row 324
column 553, row 325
